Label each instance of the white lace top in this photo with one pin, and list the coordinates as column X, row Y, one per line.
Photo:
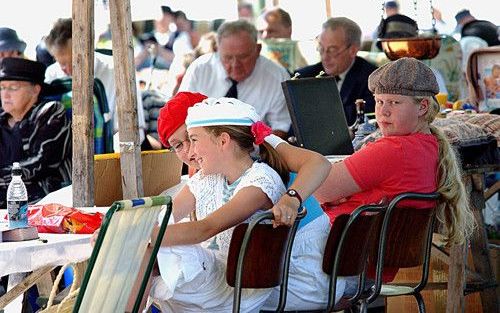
column 209, row 190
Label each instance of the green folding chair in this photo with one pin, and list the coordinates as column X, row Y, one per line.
column 118, row 252
column 117, row 256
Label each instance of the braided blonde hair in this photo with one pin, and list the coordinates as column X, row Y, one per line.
column 453, row 208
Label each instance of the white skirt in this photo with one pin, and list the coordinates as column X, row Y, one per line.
column 193, row 279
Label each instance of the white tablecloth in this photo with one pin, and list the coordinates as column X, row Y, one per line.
column 50, row 249
column 26, row 256
column 59, row 249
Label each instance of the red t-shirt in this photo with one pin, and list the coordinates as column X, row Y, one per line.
column 387, row 167
column 390, row 166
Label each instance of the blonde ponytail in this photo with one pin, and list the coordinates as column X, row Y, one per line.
column 453, row 210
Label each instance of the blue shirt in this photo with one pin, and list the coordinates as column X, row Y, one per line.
column 314, row 210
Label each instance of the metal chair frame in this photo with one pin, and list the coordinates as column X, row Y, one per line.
column 337, row 249
column 381, row 289
column 338, row 252
column 251, row 228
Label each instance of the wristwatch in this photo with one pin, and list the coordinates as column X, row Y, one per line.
column 294, row 194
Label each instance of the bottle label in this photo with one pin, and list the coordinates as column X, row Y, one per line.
column 18, row 214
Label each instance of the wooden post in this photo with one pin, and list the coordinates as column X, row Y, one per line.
column 126, row 98
column 328, row 5
column 456, row 279
column 479, row 247
column 473, row 181
column 82, row 102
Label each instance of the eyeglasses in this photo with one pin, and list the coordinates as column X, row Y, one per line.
column 227, row 59
column 179, row 145
column 12, row 88
column 332, row 51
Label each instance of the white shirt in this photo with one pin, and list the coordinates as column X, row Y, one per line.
column 262, row 89
column 208, row 191
column 343, row 75
column 104, row 71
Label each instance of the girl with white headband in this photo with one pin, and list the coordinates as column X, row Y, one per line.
column 226, row 135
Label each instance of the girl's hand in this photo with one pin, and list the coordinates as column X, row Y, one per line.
column 285, row 211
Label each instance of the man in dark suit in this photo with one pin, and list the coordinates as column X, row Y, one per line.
column 338, row 44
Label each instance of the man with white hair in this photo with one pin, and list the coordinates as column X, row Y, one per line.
column 237, row 70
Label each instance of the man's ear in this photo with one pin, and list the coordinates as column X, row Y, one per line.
column 259, row 47
column 423, row 107
column 38, row 89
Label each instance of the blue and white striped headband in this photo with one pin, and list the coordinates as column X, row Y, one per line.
column 222, row 111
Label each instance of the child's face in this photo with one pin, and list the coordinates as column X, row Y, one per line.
column 398, row 115
column 205, row 150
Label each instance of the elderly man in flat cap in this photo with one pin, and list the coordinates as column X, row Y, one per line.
column 33, row 132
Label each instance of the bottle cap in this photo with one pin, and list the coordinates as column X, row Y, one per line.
column 16, row 169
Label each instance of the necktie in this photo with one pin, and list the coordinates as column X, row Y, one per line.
column 337, row 78
column 232, row 92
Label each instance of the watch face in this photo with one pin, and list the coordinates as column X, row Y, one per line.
column 292, row 192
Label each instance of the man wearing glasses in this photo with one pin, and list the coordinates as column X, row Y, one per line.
column 35, row 133
column 237, row 70
column 338, row 44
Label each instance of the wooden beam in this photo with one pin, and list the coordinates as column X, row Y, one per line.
column 456, row 279
column 492, row 190
column 24, row 285
column 82, row 102
column 126, row 99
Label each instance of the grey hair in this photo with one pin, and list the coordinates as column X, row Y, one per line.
column 235, row 27
column 60, row 34
column 352, row 30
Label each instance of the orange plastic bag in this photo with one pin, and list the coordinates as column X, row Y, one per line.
column 56, row 218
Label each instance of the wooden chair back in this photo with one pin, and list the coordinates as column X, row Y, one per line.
column 406, row 237
column 359, row 239
column 259, row 257
column 262, row 268
column 350, row 240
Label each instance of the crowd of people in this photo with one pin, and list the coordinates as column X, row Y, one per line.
column 227, row 119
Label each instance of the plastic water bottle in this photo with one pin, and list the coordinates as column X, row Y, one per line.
column 364, row 129
column 17, row 199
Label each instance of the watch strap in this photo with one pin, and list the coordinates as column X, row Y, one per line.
column 294, row 194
